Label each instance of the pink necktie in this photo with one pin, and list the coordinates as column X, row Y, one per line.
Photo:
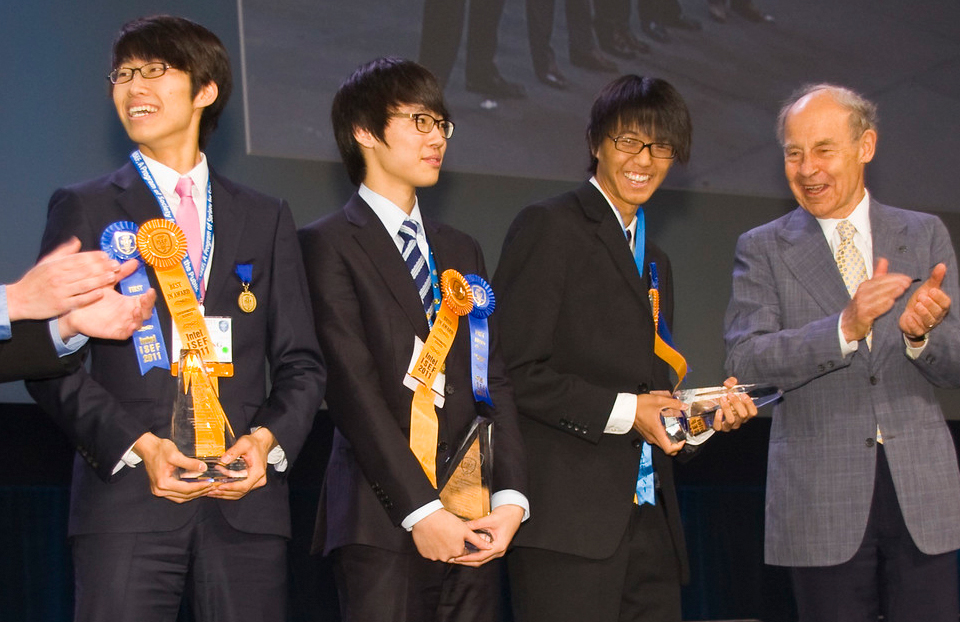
column 189, row 221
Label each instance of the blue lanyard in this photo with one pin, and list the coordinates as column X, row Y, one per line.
column 640, row 240
column 148, row 179
column 435, row 283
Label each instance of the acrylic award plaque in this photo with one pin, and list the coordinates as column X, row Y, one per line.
column 694, row 424
column 200, row 428
column 465, row 486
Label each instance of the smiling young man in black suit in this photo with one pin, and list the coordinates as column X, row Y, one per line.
column 143, row 539
column 576, row 278
column 398, row 554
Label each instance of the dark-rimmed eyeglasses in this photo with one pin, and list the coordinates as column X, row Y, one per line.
column 426, row 122
column 628, row 144
column 149, row 71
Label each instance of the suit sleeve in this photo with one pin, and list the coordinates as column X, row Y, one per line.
column 759, row 347
column 531, row 281
column 92, row 418
column 30, row 354
column 940, row 360
column 357, row 404
column 297, row 373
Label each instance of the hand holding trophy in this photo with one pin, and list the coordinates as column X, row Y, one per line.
column 695, row 423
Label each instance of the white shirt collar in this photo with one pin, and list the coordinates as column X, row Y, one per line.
column 389, row 212
column 167, row 179
column 632, row 227
column 859, row 218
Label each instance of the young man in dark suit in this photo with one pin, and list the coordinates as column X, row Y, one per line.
column 398, row 554
column 141, row 537
column 576, row 279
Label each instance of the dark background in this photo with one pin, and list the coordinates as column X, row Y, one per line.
column 58, row 126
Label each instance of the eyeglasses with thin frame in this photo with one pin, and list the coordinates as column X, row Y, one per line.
column 628, row 144
column 149, row 71
column 425, row 122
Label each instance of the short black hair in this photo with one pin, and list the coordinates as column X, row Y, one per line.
column 366, row 99
column 186, row 46
column 649, row 104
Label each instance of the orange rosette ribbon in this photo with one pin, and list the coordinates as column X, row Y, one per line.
column 457, row 301
column 163, row 245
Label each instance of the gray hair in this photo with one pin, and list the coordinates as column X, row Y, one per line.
column 863, row 112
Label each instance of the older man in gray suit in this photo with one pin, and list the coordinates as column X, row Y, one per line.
column 844, row 303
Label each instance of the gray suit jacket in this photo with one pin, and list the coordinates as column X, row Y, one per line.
column 781, row 327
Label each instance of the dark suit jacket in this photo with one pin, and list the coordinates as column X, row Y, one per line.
column 29, row 353
column 781, row 327
column 577, row 329
column 105, row 410
column 367, row 314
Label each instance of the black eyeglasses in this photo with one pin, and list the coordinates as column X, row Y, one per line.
column 150, row 71
column 628, row 144
column 425, row 122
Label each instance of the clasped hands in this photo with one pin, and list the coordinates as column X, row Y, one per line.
column 924, row 311
column 442, row 536
column 735, row 410
column 161, row 459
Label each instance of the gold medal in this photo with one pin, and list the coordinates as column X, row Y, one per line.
column 247, row 301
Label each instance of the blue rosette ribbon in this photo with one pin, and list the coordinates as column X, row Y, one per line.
column 484, row 303
column 119, row 241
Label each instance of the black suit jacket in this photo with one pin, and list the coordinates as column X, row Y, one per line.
column 105, row 410
column 577, row 329
column 367, row 313
column 29, row 353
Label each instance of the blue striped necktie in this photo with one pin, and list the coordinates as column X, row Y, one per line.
column 416, row 264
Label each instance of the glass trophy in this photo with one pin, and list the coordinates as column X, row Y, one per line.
column 694, row 423
column 465, row 486
column 200, row 429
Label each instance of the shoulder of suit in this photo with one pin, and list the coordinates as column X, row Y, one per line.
column 242, row 192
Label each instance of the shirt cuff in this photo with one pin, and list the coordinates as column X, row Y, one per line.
column 130, row 459
column 277, row 457
column 72, row 345
column 418, row 515
column 914, row 351
column 623, row 414
column 511, row 497
column 845, row 346
column 5, row 332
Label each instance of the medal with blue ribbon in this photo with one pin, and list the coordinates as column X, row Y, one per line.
column 119, row 241
column 484, row 304
column 247, row 301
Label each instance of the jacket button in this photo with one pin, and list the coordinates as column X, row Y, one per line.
column 449, row 389
column 821, row 368
column 869, row 442
column 643, row 388
column 637, row 443
column 874, row 380
column 442, row 446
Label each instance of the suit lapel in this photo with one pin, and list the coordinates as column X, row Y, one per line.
column 890, row 241
column 135, row 197
column 806, row 253
column 229, row 218
column 382, row 251
column 597, row 210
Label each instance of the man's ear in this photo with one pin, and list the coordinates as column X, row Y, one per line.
column 207, row 94
column 868, row 145
column 364, row 137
